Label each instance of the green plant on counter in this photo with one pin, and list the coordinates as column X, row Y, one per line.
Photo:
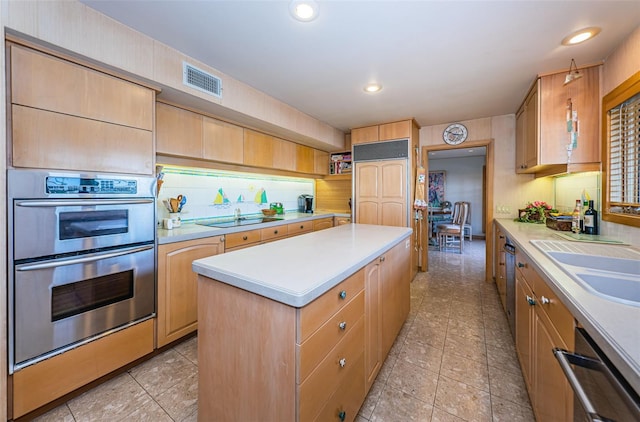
column 535, row 212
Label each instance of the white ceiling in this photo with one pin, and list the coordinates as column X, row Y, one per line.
column 438, row 61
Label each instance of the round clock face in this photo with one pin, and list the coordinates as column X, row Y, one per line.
column 455, row 134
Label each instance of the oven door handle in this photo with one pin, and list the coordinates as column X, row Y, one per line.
column 82, row 203
column 83, row 260
column 566, row 359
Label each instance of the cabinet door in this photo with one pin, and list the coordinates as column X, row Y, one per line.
column 258, row 149
column 305, row 159
column 284, row 155
column 323, row 223
column 364, row 134
column 532, row 127
column 222, row 141
column 584, row 95
column 553, row 394
column 524, row 329
column 521, row 140
column 373, row 323
column 178, row 132
column 393, row 193
column 178, row 286
column 396, row 279
column 366, row 193
column 395, row 130
column 321, row 162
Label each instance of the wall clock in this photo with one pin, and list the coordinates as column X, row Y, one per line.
column 455, row 134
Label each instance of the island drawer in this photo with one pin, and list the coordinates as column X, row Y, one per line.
column 272, row 233
column 242, row 238
column 316, row 313
column 344, row 403
column 299, row 228
column 551, row 305
column 316, row 347
column 334, row 370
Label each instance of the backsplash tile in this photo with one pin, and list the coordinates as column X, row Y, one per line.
column 249, row 192
column 571, row 187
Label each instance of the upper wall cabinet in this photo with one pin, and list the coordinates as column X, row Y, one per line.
column 178, row 132
column 541, row 124
column 384, row 132
column 222, row 141
column 70, row 117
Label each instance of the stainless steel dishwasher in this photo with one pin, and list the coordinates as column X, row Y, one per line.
column 601, row 392
column 510, row 276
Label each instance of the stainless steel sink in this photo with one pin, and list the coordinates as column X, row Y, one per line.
column 237, row 223
column 609, row 271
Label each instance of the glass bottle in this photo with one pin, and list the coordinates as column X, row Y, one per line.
column 591, row 220
column 575, row 218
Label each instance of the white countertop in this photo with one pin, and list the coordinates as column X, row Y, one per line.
column 614, row 326
column 297, row 270
column 191, row 230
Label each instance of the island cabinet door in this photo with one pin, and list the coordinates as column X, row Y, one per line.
column 373, row 321
column 396, row 295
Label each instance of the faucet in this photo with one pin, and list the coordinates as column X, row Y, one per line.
column 237, row 214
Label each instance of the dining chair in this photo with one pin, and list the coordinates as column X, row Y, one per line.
column 468, row 229
column 448, row 233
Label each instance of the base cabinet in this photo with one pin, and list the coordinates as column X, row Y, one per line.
column 542, row 323
column 177, row 313
column 322, row 223
column 499, row 264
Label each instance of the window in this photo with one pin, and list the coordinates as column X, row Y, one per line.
column 621, row 153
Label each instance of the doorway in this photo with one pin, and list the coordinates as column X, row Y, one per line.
column 486, row 210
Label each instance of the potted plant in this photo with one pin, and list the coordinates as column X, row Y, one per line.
column 535, row 212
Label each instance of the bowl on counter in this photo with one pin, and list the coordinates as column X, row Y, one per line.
column 268, row 211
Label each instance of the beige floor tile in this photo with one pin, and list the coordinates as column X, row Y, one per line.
column 150, row 411
column 181, row 399
column 440, row 415
column 59, row 414
column 503, row 358
column 468, row 371
column 507, row 385
column 422, row 355
column 189, row 349
column 506, row 411
column 466, row 330
column 162, row 372
column 394, row 406
column 462, row 400
column 425, row 334
column 370, row 402
column 116, row 399
column 468, row 348
column 193, row 417
column 414, row 380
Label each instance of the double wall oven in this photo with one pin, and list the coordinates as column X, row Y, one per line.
column 81, row 259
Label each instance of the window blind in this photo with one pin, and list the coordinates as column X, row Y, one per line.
column 624, row 157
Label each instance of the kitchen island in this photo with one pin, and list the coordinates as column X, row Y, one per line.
column 298, row 329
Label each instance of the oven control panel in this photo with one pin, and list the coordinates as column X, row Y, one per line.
column 75, row 186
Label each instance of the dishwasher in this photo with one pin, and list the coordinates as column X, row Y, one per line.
column 601, row 392
column 510, row 276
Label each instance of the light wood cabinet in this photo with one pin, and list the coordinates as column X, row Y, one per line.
column 500, row 265
column 542, row 323
column 373, row 326
column 381, row 193
column 222, row 141
column 305, row 159
column 363, row 135
column 541, row 123
column 396, row 281
column 322, row 223
column 339, row 221
column 302, row 227
column 177, row 286
column 239, row 240
column 321, row 162
column 284, row 154
column 395, row 130
column 66, row 116
column 258, row 149
column 178, row 131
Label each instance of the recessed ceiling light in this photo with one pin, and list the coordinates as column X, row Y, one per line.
column 303, row 10
column 373, row 88
column 581, row 36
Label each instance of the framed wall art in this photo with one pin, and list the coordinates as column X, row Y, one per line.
column 436, row 188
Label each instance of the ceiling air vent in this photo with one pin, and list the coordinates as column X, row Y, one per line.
column 200, row 80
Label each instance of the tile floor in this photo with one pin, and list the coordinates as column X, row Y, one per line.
column 454, row 360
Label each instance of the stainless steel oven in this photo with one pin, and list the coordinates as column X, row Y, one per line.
column 82, row 259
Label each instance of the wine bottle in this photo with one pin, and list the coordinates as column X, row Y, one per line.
column 575, row 218
column 591, row 220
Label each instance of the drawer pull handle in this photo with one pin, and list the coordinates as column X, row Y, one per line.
column 342, row 415
column 301, row 226
column 545, row 300
column 382, row 259
column 521, row 265
column 342, row 362
column 343, row 325
column 275, row 232
column 531, row 301
column 343, row 294
column 244, row 237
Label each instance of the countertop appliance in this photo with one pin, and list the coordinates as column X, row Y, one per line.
column 81, row 259
column 601, row 392
column 305, row 203
column 510, row 273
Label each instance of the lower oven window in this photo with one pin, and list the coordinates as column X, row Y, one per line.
column 80, row 224
column 73, row 299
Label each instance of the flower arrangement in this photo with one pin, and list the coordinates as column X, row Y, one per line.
column 535, row 212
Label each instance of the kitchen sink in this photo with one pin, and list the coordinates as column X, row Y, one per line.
column 239, row 222
column 609, row 271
